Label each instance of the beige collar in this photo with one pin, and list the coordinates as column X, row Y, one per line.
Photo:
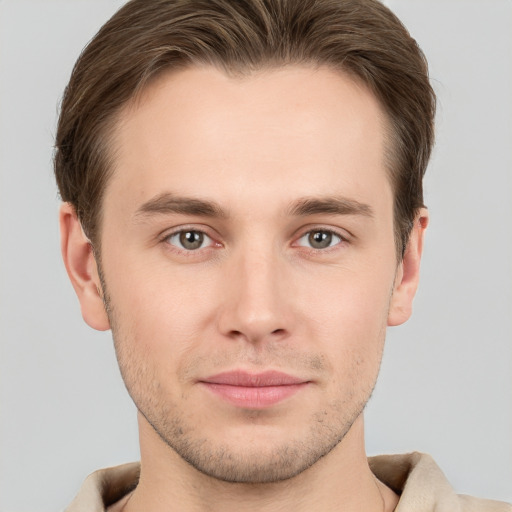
column 415, row 477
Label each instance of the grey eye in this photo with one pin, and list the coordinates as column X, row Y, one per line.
column 189, row 240
column 319, row 239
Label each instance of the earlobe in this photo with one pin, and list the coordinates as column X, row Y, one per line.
column 82, row 269
column 408, row 273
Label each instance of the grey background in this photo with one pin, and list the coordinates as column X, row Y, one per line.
column 446, row 380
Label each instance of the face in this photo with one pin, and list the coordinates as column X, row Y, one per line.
column 249, row 265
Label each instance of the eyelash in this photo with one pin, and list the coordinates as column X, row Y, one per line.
column 343, row 239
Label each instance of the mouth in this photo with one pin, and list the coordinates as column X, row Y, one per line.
column 254, row 390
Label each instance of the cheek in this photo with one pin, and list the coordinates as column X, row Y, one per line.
column 162, row 317
column 348, row 319
column 344, row 301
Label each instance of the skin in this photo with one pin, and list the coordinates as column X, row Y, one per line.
column 256, row 295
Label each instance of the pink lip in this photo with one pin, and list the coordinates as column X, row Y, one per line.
column 254, row 390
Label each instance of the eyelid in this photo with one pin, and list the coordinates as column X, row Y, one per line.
column 166, row 233
column 342, row 233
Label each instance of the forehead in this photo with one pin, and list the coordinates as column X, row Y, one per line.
column 199, row 129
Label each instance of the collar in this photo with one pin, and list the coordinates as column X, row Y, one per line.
column 415, row 477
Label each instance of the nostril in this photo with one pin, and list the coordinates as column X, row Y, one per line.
column 278, row 331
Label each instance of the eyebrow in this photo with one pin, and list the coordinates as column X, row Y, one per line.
column 167, row 203
column 329, row 205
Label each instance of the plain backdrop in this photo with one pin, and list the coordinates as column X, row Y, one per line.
column 446, row 379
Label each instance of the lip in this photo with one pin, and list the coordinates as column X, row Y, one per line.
column 254, row 390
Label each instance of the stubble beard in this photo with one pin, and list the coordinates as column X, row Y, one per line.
column 261, row 463
column 250, row 464
column 222, row 461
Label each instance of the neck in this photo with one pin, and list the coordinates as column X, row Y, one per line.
column 341, row 480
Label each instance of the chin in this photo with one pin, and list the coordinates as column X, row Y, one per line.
column 255, row 453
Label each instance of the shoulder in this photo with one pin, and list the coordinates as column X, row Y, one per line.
column 423, row 487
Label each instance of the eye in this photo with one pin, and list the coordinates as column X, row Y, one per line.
column 189, row 239
column 319, row 239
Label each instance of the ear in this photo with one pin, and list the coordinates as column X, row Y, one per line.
column 82, row 269
column 408, row 273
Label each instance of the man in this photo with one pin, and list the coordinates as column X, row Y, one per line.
column 242, row 187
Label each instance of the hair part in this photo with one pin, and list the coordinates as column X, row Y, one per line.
column 361, row 38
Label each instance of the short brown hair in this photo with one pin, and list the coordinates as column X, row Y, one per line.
column 362, row 38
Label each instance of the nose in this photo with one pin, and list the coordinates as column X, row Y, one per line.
column 256, row 299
